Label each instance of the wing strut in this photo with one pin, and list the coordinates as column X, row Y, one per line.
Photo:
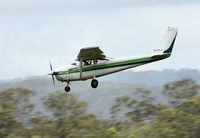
column 95, row 61
column 81, row 65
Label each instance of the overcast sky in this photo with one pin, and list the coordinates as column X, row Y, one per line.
column 34, row 31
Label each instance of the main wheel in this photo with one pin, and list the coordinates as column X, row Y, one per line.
column 67, row 88
column 94, row 83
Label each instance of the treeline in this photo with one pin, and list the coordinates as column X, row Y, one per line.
column 136, row 116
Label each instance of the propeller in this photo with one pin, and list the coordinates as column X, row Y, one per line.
column 52, row 73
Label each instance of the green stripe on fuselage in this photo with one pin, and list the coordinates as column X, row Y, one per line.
column 146, row 59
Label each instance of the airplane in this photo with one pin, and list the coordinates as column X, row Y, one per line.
column 93, row 63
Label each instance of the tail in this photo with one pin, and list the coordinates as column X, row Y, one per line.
column 168, row 41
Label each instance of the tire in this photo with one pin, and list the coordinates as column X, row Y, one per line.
column 94, row 83
column 67, row 88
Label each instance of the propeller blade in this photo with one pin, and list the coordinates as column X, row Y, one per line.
column 52, row 73
column 50, row 66
column 53, row 80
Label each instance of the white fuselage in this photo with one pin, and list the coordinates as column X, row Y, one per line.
column 103, row 67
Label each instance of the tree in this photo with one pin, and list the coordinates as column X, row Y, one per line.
column 41, row 125
column 178, row 91
column 66, row 109
column 18, row 100
column 181, row 121
column 70, row 119
column 62, row 105
column 137, row 108
column 14, row 110
column 117, row 110
column 8, row 124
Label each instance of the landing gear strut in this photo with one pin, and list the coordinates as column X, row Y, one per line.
column 67, row 88
column 94, row 83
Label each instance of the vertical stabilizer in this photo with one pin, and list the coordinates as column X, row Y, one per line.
column 169, row 39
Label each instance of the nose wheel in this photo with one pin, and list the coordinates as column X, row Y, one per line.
column 67, row 88
column 94, row 83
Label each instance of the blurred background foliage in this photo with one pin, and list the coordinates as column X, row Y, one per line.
column 138, row 115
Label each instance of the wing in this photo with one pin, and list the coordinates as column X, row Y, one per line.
column 90, row 53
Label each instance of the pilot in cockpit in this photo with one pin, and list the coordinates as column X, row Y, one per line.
column 86, row 63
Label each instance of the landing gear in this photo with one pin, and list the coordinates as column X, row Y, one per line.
column 67, row 88
column 94, row 83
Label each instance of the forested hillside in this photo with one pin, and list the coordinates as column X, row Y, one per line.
column 137, row 114
column 110, row 87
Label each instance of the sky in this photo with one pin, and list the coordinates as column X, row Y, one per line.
column 34, row 31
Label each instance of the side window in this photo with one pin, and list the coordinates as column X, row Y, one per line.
column 87, row 62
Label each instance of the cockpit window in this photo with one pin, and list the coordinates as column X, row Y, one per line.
column 88, row 62
column 91, row 62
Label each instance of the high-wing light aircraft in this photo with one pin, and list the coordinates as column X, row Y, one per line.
column 92, row 63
